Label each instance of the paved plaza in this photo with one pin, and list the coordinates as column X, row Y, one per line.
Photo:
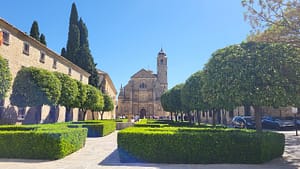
column 102, row 153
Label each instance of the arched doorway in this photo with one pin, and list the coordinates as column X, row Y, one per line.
column 142, row 113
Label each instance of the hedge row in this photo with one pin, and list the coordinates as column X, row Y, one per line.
column 170, row 123
column 40, row 142
column 96, row 128
column 199, row 146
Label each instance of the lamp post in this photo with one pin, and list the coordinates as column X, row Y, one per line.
column 295, row 111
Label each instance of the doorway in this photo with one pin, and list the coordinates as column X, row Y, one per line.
column 142, row 113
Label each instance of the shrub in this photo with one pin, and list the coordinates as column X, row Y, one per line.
column 96, row 128
column 40, row 142
column 196, row 145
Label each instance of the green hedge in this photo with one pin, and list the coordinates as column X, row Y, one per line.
column 40, row 142
column 96, row 128
column 195, row 145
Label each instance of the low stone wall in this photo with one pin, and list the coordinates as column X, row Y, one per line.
column 123, row 125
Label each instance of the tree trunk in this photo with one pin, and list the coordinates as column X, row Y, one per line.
column 171, row 116
column 257, row 112
column 176, row 116
column 213, row 118
column 68, row 114
column 181, row 114
column 198, row 117
column 218, row 112
column 247, row 110
column 84, row 115
column 38, row 114
column 190, row 117
column 102, row 115
column 93, row 115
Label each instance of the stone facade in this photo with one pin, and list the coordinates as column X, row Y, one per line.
column 141, row 96
column 21, row 50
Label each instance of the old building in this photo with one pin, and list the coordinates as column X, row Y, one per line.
column 141, row 96
column 21, row 50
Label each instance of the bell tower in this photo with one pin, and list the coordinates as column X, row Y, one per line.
column 162, row 69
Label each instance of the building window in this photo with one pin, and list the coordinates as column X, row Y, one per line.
column 26, row 48
column 143, row 85
column 81, row 77
column 161, row 61
column 54, row 65
column 42, row 57
column 70, row 71
column 5, row 36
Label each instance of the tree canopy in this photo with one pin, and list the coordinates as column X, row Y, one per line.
column 34, row 87
column 108, row 104
column 259, row 74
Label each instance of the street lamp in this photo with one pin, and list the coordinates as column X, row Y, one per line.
column 295, row 111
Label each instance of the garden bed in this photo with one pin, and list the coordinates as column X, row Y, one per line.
column 198, row 145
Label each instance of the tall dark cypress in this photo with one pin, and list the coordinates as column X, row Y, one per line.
column 34, row 31
column 43, row 39
column 85, row 57
column 73, row 43
column 78, row 50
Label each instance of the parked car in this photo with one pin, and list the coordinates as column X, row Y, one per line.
column 269, row 122
column 243, row 122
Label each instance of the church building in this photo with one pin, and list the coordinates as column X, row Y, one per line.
column 141, row 96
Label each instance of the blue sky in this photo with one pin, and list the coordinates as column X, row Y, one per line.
column 126, row 35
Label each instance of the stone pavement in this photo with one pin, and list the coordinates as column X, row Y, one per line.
column 101, row 153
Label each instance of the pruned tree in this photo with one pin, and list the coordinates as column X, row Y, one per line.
column 191, row 94
column 35, row 87
column 260, row 74
column 94, row 101
column 81, row 98
column 108, row 104
column 69, row 94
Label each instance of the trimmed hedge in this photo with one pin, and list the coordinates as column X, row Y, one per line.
column 199, row 146
column 40, row 142
column 96, row 128
column 170, row 123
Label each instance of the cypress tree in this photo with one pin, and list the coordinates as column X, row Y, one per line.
column 34, row 31
column 78, row 50
column 43, row 39
column 63, row 52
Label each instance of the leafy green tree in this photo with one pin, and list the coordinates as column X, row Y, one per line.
column 175, row 100
column 43, row 39
column 258, row 74
column 81, row 98
column 5, row 82
column 191, row 94
column 166, row 103
column 94, row 101
column 69, row 94
column 34, row 31
column 108, row 104
column 35, row 87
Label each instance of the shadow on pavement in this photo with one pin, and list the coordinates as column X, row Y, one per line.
column 279, row 163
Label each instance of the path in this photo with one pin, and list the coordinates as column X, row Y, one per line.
column 100, row 153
